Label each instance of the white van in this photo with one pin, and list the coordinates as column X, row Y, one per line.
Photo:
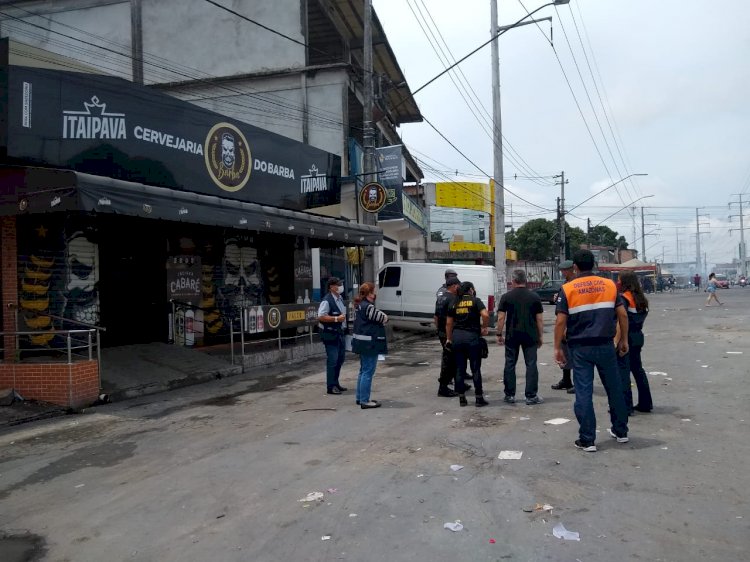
column 406, row 290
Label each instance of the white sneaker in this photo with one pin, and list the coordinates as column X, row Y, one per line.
column 614, row 436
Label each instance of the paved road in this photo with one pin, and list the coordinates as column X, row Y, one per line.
column 216, row 472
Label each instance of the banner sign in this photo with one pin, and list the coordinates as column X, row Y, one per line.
column 389, row 163
column 184, row 279
column 110, row 127
column 269, row 318
column 372, row 197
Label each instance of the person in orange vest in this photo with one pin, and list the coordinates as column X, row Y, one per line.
column 588, row 310
column 637, row 308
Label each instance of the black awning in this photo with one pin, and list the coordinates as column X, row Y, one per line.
column 39, row 190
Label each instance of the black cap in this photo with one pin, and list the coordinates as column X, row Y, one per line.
column 334, row 281
column 452, row 281
column 450, row 273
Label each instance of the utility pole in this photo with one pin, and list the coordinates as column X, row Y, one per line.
column 643, row 236
column 743, row 252
column 588, row 232
column 497, row 168
column 368, row 136
column 561, row 217
column 698, row 268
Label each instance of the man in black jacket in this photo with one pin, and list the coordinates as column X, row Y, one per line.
column 445, row 296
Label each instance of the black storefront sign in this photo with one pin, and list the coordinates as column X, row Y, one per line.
column 184, row 279
column 390, row 168
column 110, row 127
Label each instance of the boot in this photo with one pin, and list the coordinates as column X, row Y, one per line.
column 480, row 401
column 446, row 392
column 462, row 400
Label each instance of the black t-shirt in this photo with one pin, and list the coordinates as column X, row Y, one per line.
column 520, row 306
column 466, row 314
column 442, row 304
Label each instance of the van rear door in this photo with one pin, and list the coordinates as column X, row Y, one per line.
column 390, row 298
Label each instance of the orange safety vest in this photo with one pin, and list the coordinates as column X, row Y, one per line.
column 590, row 302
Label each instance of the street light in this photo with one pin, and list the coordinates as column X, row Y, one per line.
column 605, row 189
column 621, row 209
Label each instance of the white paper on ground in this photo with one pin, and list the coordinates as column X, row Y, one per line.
column 657, row 373
column 556, row 421
column 455, row 527
column 560, row 532
column 510, row 455
column 312, row 497
column 325, row 538
column 456, row 467
column 381, row 357
column 734, row 353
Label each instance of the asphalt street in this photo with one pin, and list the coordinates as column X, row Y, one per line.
column 217, row 471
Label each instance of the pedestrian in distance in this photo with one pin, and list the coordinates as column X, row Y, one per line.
column 588, row 310
column 711, row 288
column 443, row 301
column 697, row 282
column 520, row 313
column 468, row 320
column 332, row 325
column 566, row 383
column 368, row 342
column 631, row 362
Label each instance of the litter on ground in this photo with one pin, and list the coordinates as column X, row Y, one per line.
column 510, row 455
column 657, row 373
column 734, row 353
column 524, row 418
column 556, row 421
column 325, row 538
column 560, row 532
column 454, row 526
column 313, row 497
column 456, row 467
column 543, row 507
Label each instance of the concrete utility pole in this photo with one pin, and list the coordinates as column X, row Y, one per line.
column 368, row 137
column 743, row 252
column 497, row 168
column 632, row 210
column 643, row 237
column 697, row 243
column 561, row 217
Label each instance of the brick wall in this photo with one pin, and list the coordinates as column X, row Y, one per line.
column 9, row 281
column 50, row 382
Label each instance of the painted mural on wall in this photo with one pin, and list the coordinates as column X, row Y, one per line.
column 58, row 270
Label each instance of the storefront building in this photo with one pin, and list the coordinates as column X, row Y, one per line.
column 119, row 202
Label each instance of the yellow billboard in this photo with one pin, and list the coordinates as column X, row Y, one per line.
column 465, row 195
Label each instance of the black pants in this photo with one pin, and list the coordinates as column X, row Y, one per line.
column 466, row 346
column 447, row 364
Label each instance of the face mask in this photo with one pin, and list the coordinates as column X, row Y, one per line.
column 340, row 289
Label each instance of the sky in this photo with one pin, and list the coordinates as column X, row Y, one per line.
column 666, row 88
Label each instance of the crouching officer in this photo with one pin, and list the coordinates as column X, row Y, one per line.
column 589, row 308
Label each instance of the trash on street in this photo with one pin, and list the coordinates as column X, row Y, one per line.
column 560, row 532
column 454, row 526
column 510, row 455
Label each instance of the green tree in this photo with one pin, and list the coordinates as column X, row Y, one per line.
column 604, row 236
column 437, row 236
column 576, row 238
column 511, row 242
column 535, row 240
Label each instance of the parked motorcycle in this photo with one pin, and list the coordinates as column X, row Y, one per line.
column 742, row 282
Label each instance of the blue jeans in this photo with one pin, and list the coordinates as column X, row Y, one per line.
column 466, row 346
column 512, row 349
column 335, row 353
column 367, row 364
column 604, row 358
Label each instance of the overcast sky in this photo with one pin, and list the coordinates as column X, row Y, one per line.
column 675, row 82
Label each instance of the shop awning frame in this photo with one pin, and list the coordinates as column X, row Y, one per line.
column 41, row 190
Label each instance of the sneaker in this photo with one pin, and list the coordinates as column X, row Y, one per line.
column 562, row 385
column 446, row 392
column 369, row 404
column 534, row 400
column 480, row 401
column 358, row 402
column 334, row 390
column 510, row 399
column 587, row 446
column 623, row 439
column 572, row 390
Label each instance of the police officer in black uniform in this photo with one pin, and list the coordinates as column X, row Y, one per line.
column 443, row 300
